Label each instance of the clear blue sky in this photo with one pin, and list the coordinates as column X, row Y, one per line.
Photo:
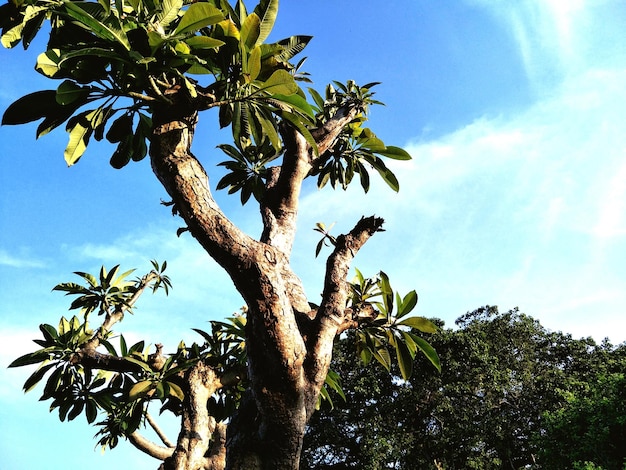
column 514, row 113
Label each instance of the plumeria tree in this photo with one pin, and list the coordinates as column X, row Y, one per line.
column 139, row 73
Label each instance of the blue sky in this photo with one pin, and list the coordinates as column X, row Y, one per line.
column 516, row 194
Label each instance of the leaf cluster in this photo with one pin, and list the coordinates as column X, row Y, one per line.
column 391, row 328
column 357, row 149
column 131, row 56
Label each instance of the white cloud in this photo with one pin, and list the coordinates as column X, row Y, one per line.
column 524, row 210
column 558, row 39
column 22, row 260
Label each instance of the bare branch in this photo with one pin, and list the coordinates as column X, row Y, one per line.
column 326, row 135
column 149, row 447
column 331, row 316
column 159, row 432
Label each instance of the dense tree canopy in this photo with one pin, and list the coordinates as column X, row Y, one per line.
column 511, row 394
column 140, row 74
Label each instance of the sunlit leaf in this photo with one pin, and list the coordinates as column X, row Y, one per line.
column 250, row 30
column 94, row 17
column 139, row 389
column 420, row 323
column 428, row 351
column 203, row 42
column 266, row 10
column 169, row 11
column 197, row 16
column 280, row 82
column 395, row 153
column 407, row 304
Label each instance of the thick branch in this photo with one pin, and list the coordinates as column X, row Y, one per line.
column 186, row 181
column 326, row 135
column 93, row 359
column 280, row 206
column 149, row 447
column 198, row 426
column 331, row 315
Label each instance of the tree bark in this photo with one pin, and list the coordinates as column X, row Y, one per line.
column 288, row 345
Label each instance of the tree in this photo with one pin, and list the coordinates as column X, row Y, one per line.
column 125, row 71
column 509, row 396
column 590, row 429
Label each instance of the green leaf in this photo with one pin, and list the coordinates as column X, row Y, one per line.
column 428, row 351
column 30, row 107
column 292, row 46
column 203, row 42
column 69, row 92
column 254, row 64
column 32, row 14
column 395, row 153
column 80, row 133
column 13, row 36
column 297, row 102
column 169, row 12
column 56, row 117
column 121, row 128
column 32, row 358
column 250, row 30
column 48, row 63
column 76, row 410
column 34, row 379
column 140, row 363
column 280, row 82
column 407, row 304
column 319, row 101
column 420, row 323
column 381, row 354
column 266, row 10
column 405, row 359
column 176, row 391
column 139, row 389
column 91, row 411
column 90, row 14
column 49, row 332
column 197, row 16
column 385, row 173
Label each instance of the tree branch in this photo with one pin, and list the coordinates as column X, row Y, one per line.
column 280, row 205
column 149, row 447
column 332, row 313
column 159, row 432
column 112, row 317
column 186, row 181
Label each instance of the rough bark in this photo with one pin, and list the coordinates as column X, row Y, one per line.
column 288, row 345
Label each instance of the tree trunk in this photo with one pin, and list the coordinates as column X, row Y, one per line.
column 288, row 346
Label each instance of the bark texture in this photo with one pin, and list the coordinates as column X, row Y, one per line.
column 288, row 345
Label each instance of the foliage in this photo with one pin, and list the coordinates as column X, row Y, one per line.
column 590, row 429
column 126, row 379
column 497, row 402
column 131, row 57
column 123, row 384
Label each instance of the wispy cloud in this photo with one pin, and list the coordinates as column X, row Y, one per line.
column 558, row 39
column 517, row 210
column 22, row 260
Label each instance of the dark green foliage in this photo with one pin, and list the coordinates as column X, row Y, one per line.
column 507, row 396
column 590, row 427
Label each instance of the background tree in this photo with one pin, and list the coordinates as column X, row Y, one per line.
column 509, row 396
column 125, row 70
